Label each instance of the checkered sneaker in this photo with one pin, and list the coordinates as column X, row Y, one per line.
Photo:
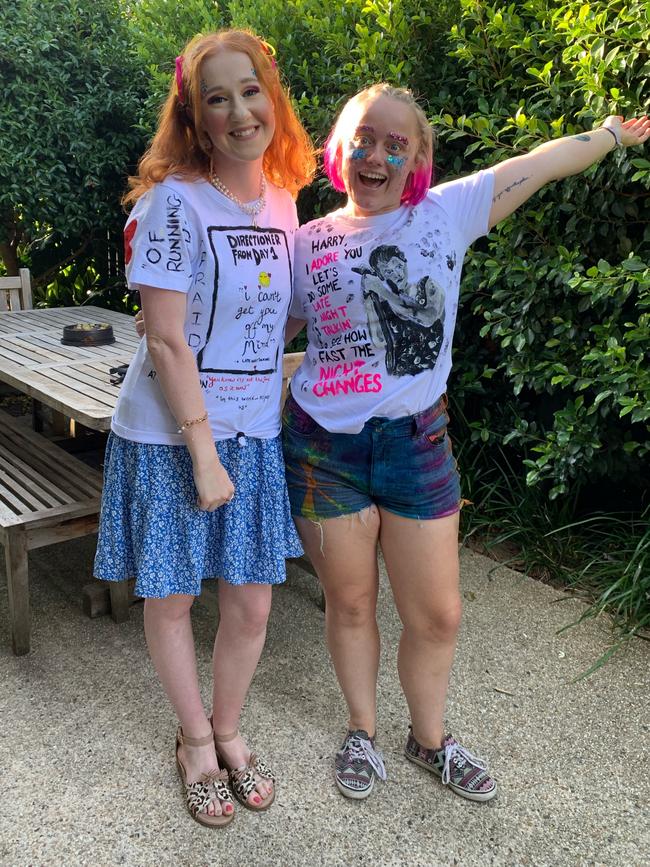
column 464, row 773
column 357, row 765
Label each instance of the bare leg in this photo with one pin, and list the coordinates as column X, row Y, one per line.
column 244, row 613
column 168, row 630
column 344, row 554
column 422, row 562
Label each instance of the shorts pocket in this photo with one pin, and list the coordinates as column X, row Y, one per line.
column 296, row 421
column 436, row 439
column 434, row 434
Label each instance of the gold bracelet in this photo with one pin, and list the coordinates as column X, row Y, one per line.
column 189, row 422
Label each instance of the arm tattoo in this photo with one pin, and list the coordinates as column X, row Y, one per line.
column 508, row 189
column 582, row 137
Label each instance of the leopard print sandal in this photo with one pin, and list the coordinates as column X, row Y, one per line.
column 212, row 786
column 244, row 779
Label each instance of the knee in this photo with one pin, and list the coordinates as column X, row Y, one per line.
column 438, row 624
column 249, row 618
column 171, row 609
column 351, row 611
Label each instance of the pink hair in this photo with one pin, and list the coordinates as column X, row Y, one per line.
column 419, row 179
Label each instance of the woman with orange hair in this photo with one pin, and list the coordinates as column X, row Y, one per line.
column 194, row 476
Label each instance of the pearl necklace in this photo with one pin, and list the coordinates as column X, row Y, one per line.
column 252, row 209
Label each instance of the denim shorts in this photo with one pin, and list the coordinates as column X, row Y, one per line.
column 405, row 465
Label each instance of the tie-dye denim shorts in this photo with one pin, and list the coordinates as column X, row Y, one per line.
column 404, row 465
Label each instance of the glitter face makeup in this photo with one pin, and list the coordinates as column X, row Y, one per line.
column 378, row 156
column 204, row 87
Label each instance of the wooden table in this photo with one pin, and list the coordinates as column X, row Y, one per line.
column 73, row 380
column 49, row 495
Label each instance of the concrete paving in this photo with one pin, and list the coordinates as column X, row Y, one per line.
column 86, row 746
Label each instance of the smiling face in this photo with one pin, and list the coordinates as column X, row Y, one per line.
column 379, row 152
column 237, row 115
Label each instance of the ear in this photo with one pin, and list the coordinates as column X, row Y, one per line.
column 204, row 140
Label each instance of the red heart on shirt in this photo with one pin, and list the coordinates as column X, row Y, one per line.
column 129, row 232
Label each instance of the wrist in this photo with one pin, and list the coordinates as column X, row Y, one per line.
column 204, row 457
column 615, row 135
column 190, row 422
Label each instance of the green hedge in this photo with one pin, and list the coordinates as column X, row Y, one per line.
column 560, row 293
column 553, row 326
column 72, row 85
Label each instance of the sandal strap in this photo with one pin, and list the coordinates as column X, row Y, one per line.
column 192, row 742
column 201, row 793
column 261, row 768
column 225, row 738
column 242, row 781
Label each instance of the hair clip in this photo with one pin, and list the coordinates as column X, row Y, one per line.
column 179, row 78
column 269, row 50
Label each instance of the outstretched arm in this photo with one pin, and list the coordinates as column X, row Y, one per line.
column 516, row 180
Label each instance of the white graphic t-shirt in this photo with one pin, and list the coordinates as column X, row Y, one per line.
column 380, row 296
column 187, row 237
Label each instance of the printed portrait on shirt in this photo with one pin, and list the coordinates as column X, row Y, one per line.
column 405, row 318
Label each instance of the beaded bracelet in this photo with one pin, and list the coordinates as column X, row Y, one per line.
column 189, row 422
column 616, row 138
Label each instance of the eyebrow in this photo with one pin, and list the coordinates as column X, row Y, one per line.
column 217, row 87
column 402, row 139
column 365, row 128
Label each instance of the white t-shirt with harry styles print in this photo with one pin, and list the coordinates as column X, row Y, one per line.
column 380, row 297
column 187, row 237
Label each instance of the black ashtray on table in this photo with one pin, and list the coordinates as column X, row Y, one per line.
column 88, row 334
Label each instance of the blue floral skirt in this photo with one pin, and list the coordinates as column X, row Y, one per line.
column 152, row 530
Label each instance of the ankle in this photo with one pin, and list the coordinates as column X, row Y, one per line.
column 368, row 727
column 429, row 738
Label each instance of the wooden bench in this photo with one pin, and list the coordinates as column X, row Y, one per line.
column 46, row 496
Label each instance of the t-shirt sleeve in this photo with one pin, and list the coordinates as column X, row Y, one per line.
column 158, row 241
column 468, row 202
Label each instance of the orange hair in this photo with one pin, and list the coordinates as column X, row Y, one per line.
column 178, row 148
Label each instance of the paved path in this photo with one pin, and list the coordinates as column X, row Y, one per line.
column 86, row 755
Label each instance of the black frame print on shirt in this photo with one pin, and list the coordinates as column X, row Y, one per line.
column 262, row 257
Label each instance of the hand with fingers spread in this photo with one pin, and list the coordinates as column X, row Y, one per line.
column 628, row 133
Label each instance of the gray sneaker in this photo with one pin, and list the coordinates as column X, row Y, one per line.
column 464, row 773
column 357, row 765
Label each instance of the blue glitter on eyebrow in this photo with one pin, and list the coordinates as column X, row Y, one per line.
column 398, row 162
column 359, row 154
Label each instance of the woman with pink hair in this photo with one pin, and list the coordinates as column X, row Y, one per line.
column 367, row 455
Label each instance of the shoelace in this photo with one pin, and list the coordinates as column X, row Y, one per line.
column 460, row 757
column 360, row 749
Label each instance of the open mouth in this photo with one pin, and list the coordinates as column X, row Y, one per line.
column 372, row 180
column 242, row 134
